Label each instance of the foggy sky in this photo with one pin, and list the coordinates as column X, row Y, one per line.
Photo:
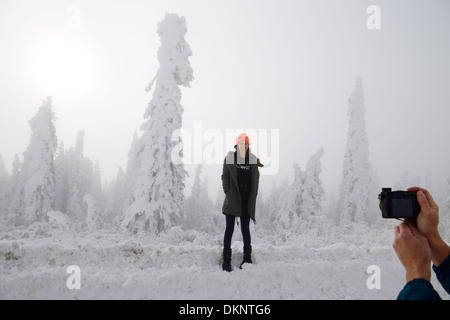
column 287, row 65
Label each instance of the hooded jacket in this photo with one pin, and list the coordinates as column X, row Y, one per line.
column 233, row 202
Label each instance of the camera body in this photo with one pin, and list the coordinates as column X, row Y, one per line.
column 398, row 204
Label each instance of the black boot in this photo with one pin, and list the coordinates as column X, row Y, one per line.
column 247, row 255
column 226, row 265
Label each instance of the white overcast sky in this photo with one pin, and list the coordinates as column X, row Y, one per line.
column 286, row 65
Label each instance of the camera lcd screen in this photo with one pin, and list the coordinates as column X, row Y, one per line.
column 402, row 208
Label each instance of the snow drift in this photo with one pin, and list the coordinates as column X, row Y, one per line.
column 327, row 263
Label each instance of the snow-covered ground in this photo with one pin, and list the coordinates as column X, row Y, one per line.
column 319, row 264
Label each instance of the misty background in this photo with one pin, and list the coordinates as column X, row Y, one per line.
column 284, row 65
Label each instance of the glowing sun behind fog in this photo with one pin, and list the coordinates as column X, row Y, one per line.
column 62, row 68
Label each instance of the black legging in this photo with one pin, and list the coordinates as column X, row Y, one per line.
column 245, row 227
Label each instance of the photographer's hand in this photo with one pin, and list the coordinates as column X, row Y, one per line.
column 427, row 224
column 413, row 251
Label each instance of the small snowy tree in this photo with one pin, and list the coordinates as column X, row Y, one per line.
column 304, row 197
column 93, row 216
column 271, row 221
column 159, row 190
column 132, row 172
column 37, row 173
column 199, row 212
column 15, row 192
column 95, row 184
column 115, row 195
column 75, row 206
column 312, row 194
column 83, row 177
column 355, row 194
column 290, row 200
column 61, row 180
column 4, row 188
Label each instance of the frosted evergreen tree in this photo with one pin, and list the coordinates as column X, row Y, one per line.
column 290, row 200
column 4, row 188
column 271, row 220
column 355, row 194
column 217, row 207
column 95, row 187
column 93, row 216
column 220, row 196
column 304, row 197
column 199, row 215
column 15, row 192
column 38, row 173
column 194, row 209
column 61, row 180
column 132, row 172
column 159, row 190
column 75, row 205
column 209, row 215
column 261, row 206
column 332, row 213
column 115, row 194
column 312, row 194
column 83, row 177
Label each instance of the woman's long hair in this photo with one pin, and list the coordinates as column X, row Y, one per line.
column 247, row 155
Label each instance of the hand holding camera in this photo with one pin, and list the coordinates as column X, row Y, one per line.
column 417, row 240
column 418, row 208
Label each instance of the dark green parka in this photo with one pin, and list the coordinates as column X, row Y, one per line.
column 233, row 202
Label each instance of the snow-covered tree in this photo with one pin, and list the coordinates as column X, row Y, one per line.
column 261, row 206
column 75, row 204
column 37, row 172
column 199, row 212
column 270, row 220
column 331, row 212
column 115, row 194
column 95, row 186
column 304, row 197
column 159, row 188
column 4, row 188
column 61, row 180
column 76, row 176
column 290, row 200
column 356, row 190
column 133, row 168
column 15, row 192
column 312, row 192
column 93, row 216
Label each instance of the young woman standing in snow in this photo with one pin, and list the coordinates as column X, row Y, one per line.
column 240, row 181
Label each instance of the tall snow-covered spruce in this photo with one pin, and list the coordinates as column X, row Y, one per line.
column 356, row 189
column 158, row 199
column 37, row 174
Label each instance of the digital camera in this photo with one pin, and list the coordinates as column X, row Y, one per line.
column 398, row 204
